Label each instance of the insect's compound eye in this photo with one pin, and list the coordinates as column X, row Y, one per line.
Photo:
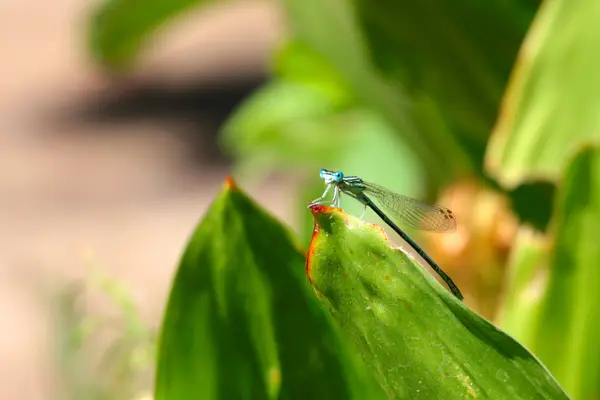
column 339, row 176
column 322, row 173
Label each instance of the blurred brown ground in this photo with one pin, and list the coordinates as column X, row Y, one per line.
column 82, row 170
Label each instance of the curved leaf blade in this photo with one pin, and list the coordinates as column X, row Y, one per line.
column 526, row 285
column 119, row 27
column 551, row 106
column 419, row 339
column 459, row 53
column 243, row 323
column 567, row 327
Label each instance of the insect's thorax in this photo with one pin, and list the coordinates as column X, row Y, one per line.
column 352, row 185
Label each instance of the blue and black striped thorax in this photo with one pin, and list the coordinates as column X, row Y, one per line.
column 352, row 184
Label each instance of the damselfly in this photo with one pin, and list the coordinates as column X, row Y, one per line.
column 397, row 208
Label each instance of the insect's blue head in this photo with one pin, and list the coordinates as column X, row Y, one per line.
column 330, row 176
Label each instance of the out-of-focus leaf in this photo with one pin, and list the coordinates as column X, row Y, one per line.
column 297, row 62
column 420, row 341
column 551, row 106
column 331, row 30
column 459, row 54
column 119, row 27
column 567, row 330
column 242, row 321
column 526, row 285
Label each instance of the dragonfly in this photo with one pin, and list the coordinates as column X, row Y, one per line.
column 403, row 209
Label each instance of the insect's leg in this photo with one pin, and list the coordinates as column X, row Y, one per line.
column 320, row 199
column 336, row 196
column 363, row 213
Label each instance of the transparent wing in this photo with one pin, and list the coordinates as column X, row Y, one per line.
column 411, row 212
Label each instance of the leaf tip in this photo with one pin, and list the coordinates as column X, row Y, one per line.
column 230, row 183
column 317, row 209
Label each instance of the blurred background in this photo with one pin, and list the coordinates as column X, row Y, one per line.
column 120, row 119
column 108, row 172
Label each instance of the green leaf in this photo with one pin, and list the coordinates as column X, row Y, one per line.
column 551, row 106
column 296, row 62
column 119, row 27
column 568, row 327
column 242, row 321
column 421, row 342
column 458, row 53
column 526, row 285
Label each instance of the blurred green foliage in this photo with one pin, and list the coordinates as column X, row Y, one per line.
column 552, row 305
column 569, row 309
column 416, row 97
column 102, row 355
column 551, row 105
column 451, row 59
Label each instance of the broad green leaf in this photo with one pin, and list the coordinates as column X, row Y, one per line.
column 421, row 342
column 568, row 327
column 119, row 27
column 551, row 106
column 242, row 321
